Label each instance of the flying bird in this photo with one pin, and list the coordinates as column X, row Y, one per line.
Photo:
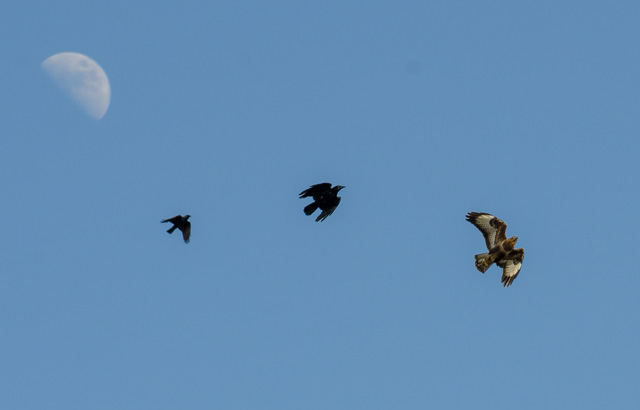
column 501, row 250
column 324, row 197
column 182, row 223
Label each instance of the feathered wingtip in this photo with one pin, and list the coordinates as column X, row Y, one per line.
column 507, row 281
column 471, row 216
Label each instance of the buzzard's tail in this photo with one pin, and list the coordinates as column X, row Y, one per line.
column 311, row 208
column 173, row 228
column 482, row 262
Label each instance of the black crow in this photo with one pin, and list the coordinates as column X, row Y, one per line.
column 182, row 223
column 324, row 197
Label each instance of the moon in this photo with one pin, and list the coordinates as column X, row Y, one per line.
column 82, row 79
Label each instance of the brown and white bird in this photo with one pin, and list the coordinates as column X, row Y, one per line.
column 324, row 197
column 501, row 250
column 182, row 223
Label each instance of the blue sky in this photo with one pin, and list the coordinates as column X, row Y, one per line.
column 226, row 111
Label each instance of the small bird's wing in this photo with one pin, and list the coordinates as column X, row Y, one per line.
column 186, row 231
column 511, row 265
column 174, row 220
column 328, row 211
column 493, row 229
column 316, row 190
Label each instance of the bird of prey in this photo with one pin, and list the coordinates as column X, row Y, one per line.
column 501, row 250
column 182, row 223
column 324, row 197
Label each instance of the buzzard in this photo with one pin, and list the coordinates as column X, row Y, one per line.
column 324, row 197
column 182, row 223
column 501, row 250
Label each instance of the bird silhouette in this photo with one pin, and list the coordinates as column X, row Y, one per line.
column 182, row 223
column 324, row 197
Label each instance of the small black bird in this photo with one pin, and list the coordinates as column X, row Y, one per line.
column 182, row 223
column 324, row 197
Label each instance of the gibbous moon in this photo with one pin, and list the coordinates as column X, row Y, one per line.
column 82, row 79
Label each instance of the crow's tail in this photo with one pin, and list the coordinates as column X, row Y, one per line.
column 311, row 208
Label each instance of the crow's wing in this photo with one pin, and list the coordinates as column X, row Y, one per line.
column 186, row 231
column 174, row 220
column 316, row 190
column 328, row 211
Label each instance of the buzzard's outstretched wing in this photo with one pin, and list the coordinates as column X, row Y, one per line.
column 493, row 229
column 511, row 265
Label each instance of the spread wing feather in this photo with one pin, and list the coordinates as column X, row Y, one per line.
column 493, row 229
column 511, row 265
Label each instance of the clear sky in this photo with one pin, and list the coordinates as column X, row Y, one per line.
column 226, row 110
